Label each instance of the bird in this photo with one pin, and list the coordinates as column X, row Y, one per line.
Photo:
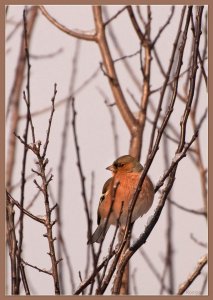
column 126, row 171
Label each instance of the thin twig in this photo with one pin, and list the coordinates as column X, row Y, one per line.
column 169, row 71
column 26, row 212
column 137, row 28
column 121, row 53
column 24, row 161
column 50, row 121
column 180, row 155
column 201, row 60
column 135, row 290
column 37, row 268
column 14, row 98
column 200, row 212
column 113, row 122
column 192, row 79
column 153, row 268
column 64, row 100
column 115, row 16
column 204, row 245
column 90, row 279
column 45, row 56
column 24, row 280
column 184, row 286
column 164, row 26
column 82, row 177
column 12, row 244
column 61, row 167
column 112, row 241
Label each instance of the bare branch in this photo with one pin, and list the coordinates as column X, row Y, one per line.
column 14, row 99
column 45, row 56
column 164, row 26
column 110, row 71
column 121, row 54
column 62, row 101
column 153, row 269
column 204, row 245
column 50, row 122
column 26, row 212
column 184, row 286
column 90, row 279
column 37, row 268
column 193, row 211
column 24, row 280
column 169, row 71
column 115, row 16
column 113, row 122
column 78, row 35
column 192, row 79
column 201, row 60
column 140, row 34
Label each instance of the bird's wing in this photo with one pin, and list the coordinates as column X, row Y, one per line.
column 105, row 189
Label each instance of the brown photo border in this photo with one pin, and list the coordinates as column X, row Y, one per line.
column 2, row 130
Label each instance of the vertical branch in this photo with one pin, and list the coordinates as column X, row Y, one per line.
column 169, row 259
column 63, row 161
column 49, row 224
column 42, row 162
column 24, row 160
column 14, row 98
column 82, row 178
column 193, row 115
column 192, row 78
column 12, row 244
column 90, row 209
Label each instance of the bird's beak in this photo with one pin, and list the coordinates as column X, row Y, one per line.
column 111, row 168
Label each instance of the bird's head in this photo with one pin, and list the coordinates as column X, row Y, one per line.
column 125, row 163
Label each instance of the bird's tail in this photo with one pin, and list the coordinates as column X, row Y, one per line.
column 99, row 233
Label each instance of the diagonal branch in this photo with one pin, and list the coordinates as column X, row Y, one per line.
column 184, row 286
column 26, row 212
column 164, row 26
column 124, row 109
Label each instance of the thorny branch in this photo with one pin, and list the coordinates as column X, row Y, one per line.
column 42, row 162
column 26, row 212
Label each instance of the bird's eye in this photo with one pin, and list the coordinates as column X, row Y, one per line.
column 120, row 165
column 102, row 198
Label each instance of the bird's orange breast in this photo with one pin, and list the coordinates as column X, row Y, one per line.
column 124, row 193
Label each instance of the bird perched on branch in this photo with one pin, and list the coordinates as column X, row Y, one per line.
column 119, row 189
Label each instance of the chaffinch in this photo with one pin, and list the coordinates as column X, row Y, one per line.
column 126, row 170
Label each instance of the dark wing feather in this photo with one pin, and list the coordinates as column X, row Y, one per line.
column 104, row 190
